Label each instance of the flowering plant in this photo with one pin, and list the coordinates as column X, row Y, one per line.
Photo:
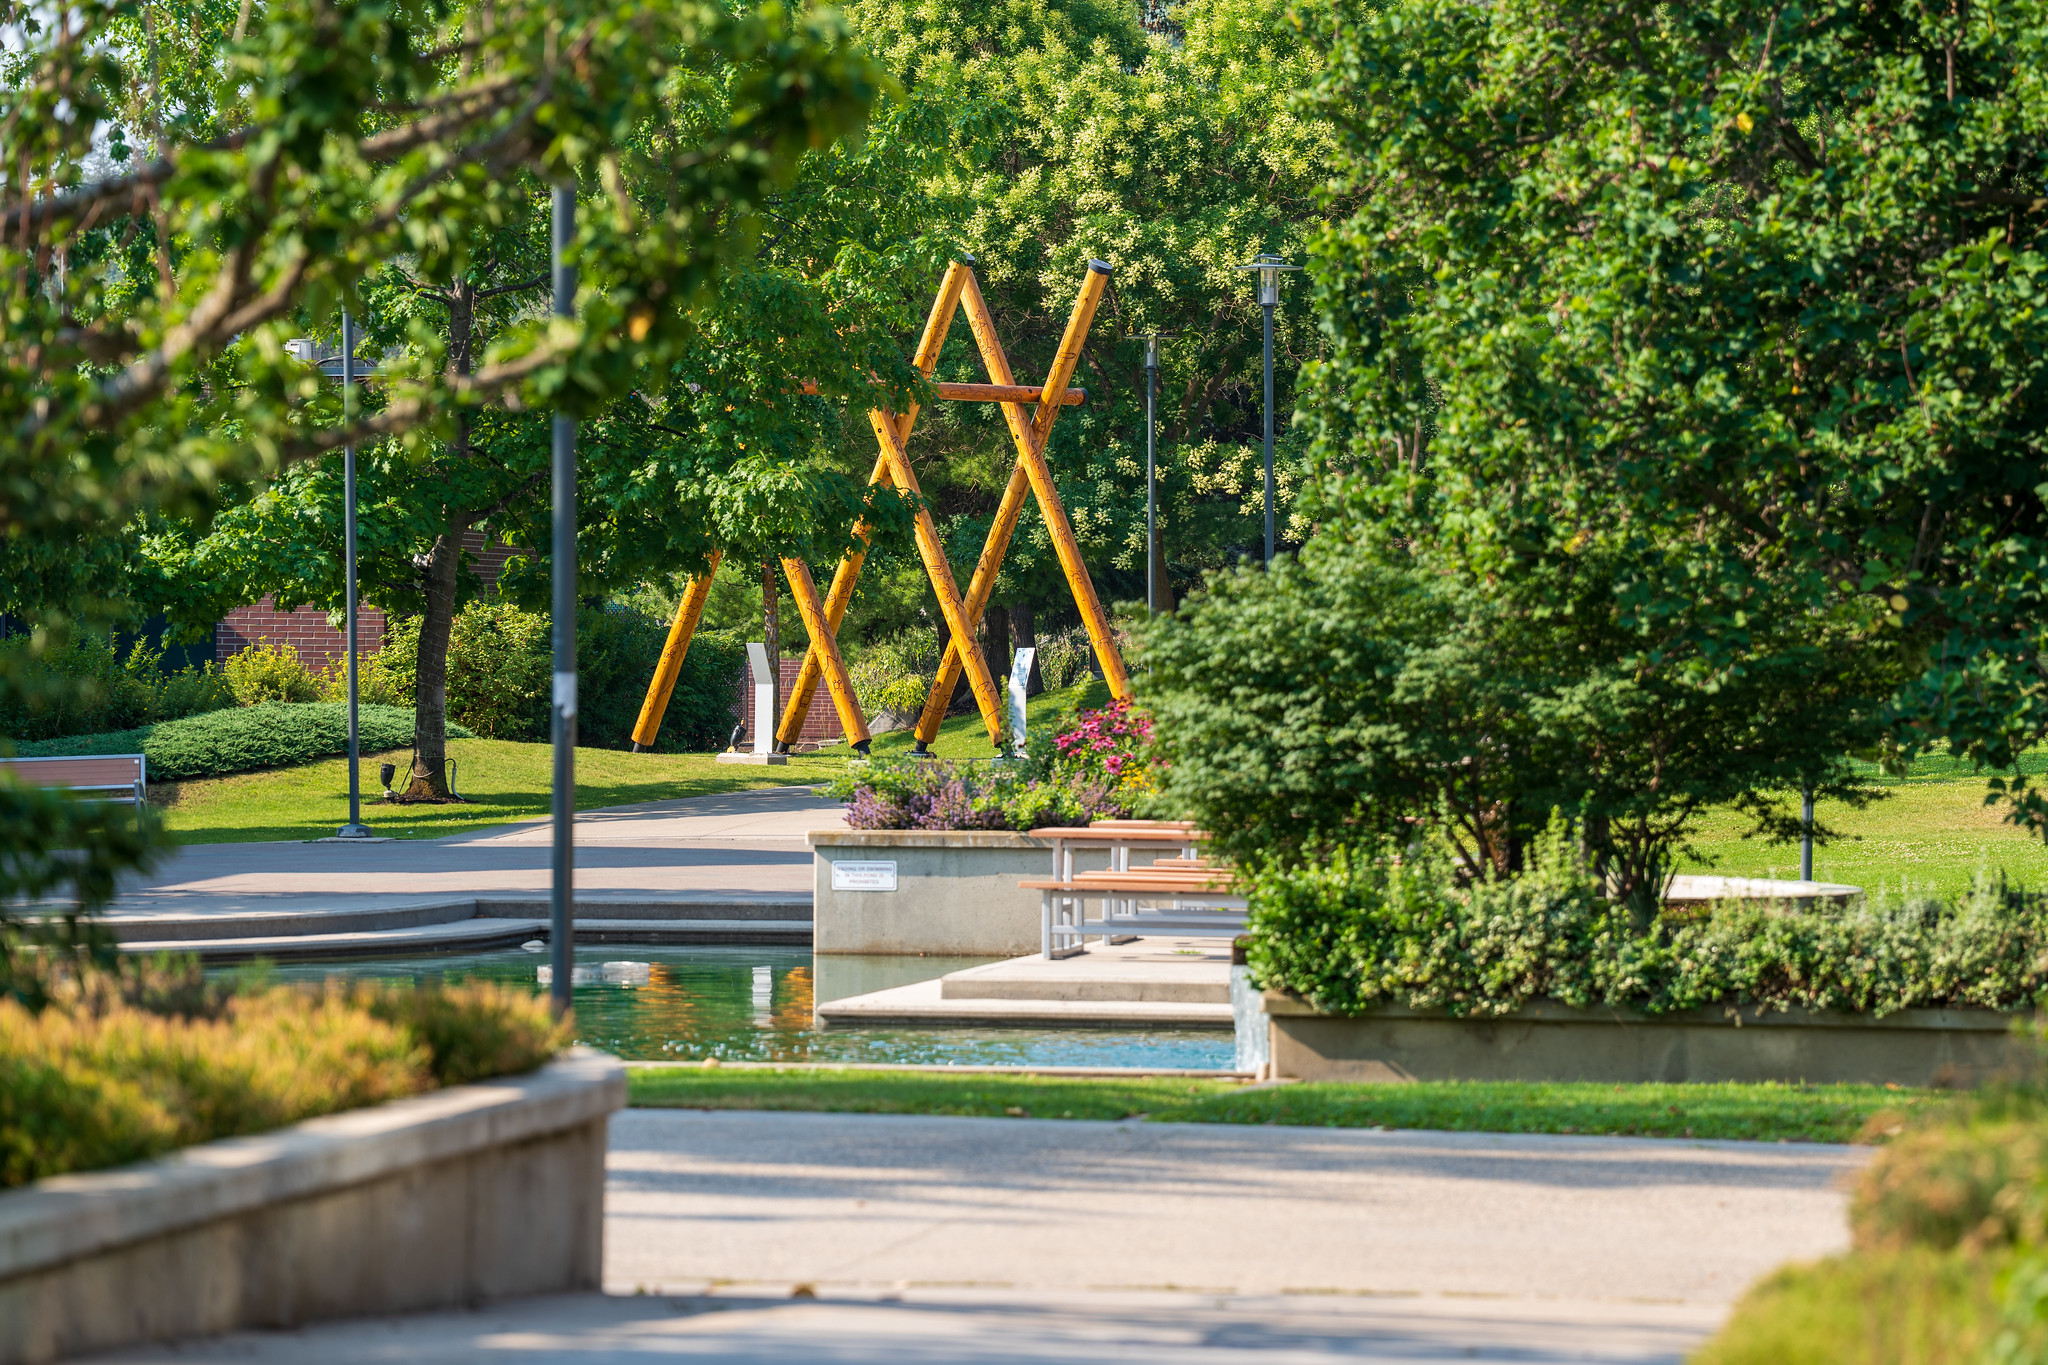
column 1095, row 769
column 1114, row 743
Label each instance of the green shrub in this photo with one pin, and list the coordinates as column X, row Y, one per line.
column 267, row 672
column 246, row 738
column 77, row 689
column 501, row 675
column 82, row 1090
column 1367, row 928
column 378, row 683
column 893, row 676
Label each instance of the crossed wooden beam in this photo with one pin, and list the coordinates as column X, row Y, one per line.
column 1030, row 474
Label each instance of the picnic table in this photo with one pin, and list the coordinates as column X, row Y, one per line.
column 1182, row 895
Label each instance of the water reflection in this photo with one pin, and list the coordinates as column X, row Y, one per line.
column 647, row 1001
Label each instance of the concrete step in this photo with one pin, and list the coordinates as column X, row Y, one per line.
column 923, row 1004
column 773, row 913
column 1147, row 971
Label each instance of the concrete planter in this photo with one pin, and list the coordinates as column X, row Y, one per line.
column 943, row 891
column 470, row 1193
column 1545, row 1041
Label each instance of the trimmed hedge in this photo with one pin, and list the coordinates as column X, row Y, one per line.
column 1367, row 929
column 217, row 743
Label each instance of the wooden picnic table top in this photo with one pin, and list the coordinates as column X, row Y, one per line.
column 1132, row 834
column 1220, row 881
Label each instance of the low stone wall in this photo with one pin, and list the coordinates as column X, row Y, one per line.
column 471, row 1193
column 954, row 891
column 1545, row 1041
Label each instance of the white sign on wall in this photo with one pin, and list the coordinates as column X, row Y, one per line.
column 864, row 876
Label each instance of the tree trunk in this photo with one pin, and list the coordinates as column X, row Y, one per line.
column 429, row 777
column 429, row 780
column 995, row 643
column 1024, row 635
column 771, row 637
column 1162, row 581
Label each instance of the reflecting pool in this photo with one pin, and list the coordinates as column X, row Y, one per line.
column 652, row 1001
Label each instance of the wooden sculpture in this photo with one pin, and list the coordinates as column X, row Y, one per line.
column 1030, row 474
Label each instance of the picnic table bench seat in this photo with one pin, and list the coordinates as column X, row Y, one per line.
column 1198, row 903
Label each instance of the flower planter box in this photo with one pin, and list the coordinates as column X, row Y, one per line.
column 443, row 1200
column 928, row 891
column 1545, row 1041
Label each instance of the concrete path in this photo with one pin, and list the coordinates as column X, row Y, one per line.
column 718, row 845
column 935, row 1240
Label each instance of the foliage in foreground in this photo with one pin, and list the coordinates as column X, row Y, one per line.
column 245, row 738
column 1819, row 1113
column 1368, row 929
column 94, row 1082
column 1950, row 1258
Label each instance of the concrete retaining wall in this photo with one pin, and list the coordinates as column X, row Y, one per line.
column 467, row 1194
column 956, row 892
column 1550, row 1042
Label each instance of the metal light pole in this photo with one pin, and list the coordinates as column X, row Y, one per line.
column 355, row 828
column 1151, row 475
column 1806, row 836
column 1269, row 268
column 561, row 918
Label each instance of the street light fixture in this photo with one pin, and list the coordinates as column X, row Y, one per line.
column 1269, row 268
column 1151, row 475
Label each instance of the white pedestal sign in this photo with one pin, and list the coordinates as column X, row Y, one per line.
column 1020, row 675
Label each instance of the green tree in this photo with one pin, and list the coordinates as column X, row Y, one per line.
column 650, row 503
column 1350, row 697
column 1171, row 153
column 1744, row 298
column 142, row 359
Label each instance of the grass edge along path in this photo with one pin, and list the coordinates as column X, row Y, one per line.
column 507, row 781
column 1753, row 1112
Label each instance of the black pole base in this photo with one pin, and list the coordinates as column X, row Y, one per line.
column 920, row 751
column 861, row 748
column 638, row 747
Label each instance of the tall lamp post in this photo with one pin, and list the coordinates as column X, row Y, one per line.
column 355, row 828
column 561, row 904
column 1269, row 268
column 1151, row 475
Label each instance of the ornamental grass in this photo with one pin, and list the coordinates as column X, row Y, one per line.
column 95, row 1086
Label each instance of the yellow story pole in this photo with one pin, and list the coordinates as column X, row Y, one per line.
column 823, row 636
column 1029, row 437
column 688, row 612
column 933, row 552
column 1051, row 397
column 937, row 323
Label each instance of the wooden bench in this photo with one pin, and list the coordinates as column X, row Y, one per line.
column 118, row 776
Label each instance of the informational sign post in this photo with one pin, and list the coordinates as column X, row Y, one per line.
column 764, row 698
column 1020, row 674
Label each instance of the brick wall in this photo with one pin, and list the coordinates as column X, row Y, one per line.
column 821, row 723
column 307, row 631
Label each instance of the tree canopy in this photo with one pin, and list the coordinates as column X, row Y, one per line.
column 1745, row 297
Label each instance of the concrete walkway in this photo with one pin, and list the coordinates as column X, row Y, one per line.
column 716, row 853
column 876, row 1240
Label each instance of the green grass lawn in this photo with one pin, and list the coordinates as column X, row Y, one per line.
column 1819, row 1113
column 505, row 780
column 1932, row 831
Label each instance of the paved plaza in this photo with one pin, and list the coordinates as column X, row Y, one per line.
column 748, row 1237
